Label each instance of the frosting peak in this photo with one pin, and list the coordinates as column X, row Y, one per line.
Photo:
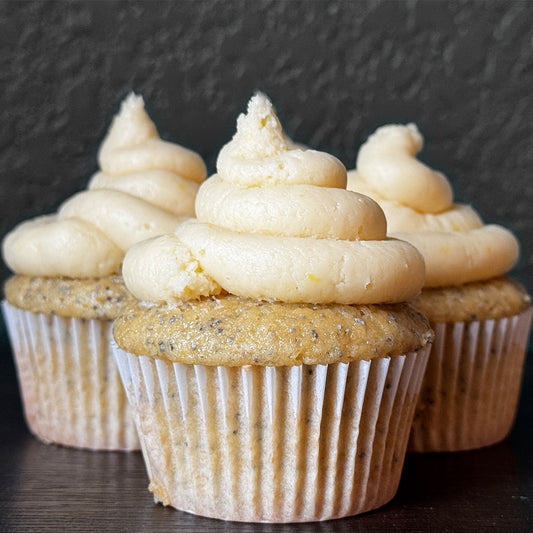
column 388, row 160
column 260, row 154
column 147, row 186
column 133, row 145
column 417, row 201
column 130, row 127
column 277, row 223
column 259, row 132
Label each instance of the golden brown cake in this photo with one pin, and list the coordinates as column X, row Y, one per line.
column 234, row 331
column 481, row 319
column 478, row 300
column 68, row 286
column 271, row 361
column 102, row 298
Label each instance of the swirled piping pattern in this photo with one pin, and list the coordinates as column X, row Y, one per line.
column 418, row 203
column 145, row 187
column 276, row 222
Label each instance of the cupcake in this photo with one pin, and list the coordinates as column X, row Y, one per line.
column 481, row 318
column 68, row 288
column 271, row 361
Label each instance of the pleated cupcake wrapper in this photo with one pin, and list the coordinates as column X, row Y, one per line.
column 71, row 389
column 274, row 444
column 470, row 392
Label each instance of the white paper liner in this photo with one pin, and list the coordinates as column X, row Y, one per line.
column 71, row 390
column 267, row 444
column 470, row 392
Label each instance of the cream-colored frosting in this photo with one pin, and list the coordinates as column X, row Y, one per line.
column 158, row 269
column 457, row 247
column 146, row 187
column 277, row 223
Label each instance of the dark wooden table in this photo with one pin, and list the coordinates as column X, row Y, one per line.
column 51, row 488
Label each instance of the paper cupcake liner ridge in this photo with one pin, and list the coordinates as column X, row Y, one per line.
column 274, row 444
column 71, row 390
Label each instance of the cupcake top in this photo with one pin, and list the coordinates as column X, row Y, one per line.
column 418, row 203
column 276, row 223
column 477, row 300
column 103, row 298
column 145, row 187
column 235, row 331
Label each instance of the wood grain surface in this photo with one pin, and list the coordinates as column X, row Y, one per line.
column 50, row 488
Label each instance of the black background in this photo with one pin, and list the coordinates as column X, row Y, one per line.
column 462, row 71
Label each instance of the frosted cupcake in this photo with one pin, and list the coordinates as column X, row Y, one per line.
column 272, row 368
column 67, row 287
column 480, row 317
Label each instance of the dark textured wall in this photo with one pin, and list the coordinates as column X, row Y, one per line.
column 463, row 71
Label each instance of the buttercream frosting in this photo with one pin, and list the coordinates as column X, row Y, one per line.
column 277, row 223
column 457, row 246
column 145, row 187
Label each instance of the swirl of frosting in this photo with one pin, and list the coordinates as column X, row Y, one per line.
column 146, row 187
column 261, row 154
column 389, row 157
column 457, row 247
column 277, row 223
